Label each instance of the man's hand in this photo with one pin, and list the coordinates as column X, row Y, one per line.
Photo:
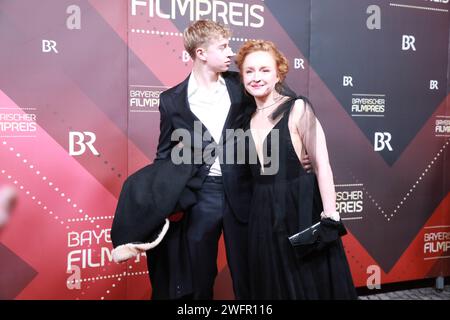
column 306, row 163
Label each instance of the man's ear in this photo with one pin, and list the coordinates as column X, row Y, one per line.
column 200, row 53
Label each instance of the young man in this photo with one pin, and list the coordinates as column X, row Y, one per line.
column 211, row 100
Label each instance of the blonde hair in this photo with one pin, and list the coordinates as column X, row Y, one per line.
column 267, row 46
column 201, row 32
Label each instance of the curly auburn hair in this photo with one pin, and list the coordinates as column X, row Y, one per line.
column 267, row 46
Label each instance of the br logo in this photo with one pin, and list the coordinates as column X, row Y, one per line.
column 49, row 46
column 408, row 42
column 382, row 140
column 82, row 140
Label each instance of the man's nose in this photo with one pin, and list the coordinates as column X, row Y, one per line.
column 230, row 52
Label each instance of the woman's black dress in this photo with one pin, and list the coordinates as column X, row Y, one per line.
column 283, row 204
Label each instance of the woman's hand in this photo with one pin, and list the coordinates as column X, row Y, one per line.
column 333, row 215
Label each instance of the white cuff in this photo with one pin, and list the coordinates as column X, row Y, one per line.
column 129, row 250
column 334, row 215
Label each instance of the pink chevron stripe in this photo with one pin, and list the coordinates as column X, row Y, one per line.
column 412, row 264
column 34, row 231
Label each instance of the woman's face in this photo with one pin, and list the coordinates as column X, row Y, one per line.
column 259, row 73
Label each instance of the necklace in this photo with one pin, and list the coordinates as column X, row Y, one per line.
column 276, row 101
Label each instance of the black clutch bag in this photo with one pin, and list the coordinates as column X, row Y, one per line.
column 306, row 236
column 317, row 237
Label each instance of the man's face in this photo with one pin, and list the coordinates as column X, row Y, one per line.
column 217, row 54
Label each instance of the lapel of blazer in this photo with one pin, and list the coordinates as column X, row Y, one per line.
column 235, row 92
column 181, row 104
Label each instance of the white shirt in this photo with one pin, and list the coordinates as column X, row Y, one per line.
column 211, row 107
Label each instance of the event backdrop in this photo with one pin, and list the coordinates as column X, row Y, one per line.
column 79, row 92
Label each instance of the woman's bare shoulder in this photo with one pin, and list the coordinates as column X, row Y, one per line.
column 298, row 109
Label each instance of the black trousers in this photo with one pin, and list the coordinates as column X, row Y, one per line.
column 207, row 218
